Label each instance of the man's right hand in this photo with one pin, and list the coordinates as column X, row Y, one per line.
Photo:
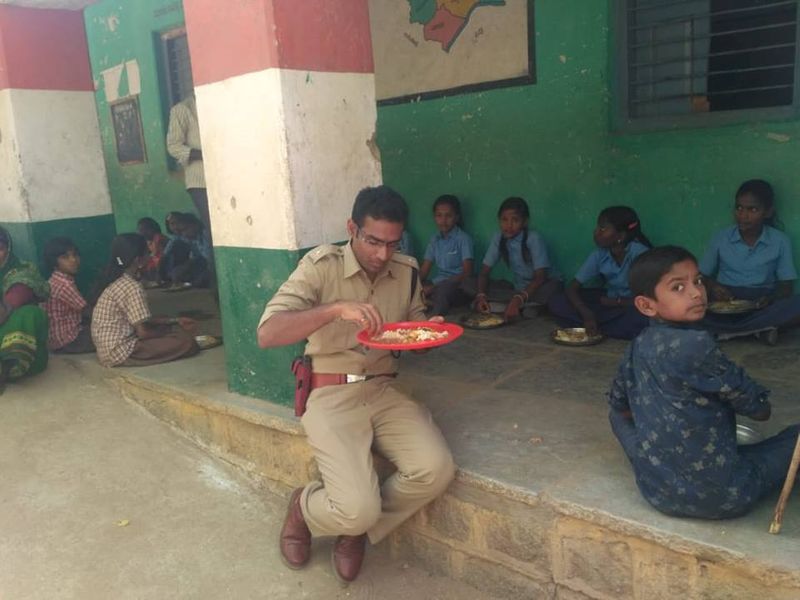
column 364, row 315
column 590, row 322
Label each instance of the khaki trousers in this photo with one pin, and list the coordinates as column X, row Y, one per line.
column 343, row 423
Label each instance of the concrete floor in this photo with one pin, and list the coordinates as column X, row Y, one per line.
column 515, row 409
column 532, row 416
column 100, row 500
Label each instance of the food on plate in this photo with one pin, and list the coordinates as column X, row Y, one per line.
column 480, row 320
column 723, row 306
column 207, row 341
column 571, row 335
column 411, row 335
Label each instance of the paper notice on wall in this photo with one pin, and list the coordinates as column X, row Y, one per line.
column 111, row 80
column 134, row 80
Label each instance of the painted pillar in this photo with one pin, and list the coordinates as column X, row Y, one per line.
column 286, row 104
column 52, row 176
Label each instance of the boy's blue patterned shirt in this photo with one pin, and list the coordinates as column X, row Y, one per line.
column 684, row 394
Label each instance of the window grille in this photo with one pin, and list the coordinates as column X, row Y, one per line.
column 699, row 56
column 177, row 66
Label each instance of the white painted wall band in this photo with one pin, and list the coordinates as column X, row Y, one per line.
column 285, row 152
column 55, row 156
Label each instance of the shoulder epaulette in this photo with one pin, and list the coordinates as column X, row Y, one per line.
column 406, row 260
column 321, row 252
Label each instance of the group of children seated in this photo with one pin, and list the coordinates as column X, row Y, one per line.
column 751, row 260
column 673, row 401
column 675, row 398
column 183, row 258
column 37, row 316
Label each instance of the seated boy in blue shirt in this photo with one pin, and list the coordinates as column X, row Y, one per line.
column 675, row 398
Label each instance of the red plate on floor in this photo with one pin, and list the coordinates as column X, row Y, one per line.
column 412, row 331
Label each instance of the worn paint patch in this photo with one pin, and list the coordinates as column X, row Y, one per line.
column 778, row 137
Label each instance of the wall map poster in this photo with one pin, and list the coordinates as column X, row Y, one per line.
column 430, row 48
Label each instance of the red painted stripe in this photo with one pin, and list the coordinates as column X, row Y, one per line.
column 320, row 35
column 232, row 38
column 43, row 50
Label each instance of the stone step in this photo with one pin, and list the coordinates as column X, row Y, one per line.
column 494, row 536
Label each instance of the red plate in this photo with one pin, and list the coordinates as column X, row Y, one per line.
column 452, row 329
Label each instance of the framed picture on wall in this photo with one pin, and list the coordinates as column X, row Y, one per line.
column 424, row 49
column 128, row 135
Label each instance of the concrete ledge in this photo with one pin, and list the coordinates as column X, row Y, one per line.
column 497, row 537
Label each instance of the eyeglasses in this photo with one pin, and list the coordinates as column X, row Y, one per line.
column 375, row 242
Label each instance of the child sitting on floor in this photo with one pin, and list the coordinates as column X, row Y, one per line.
column 608, row 309
column 156, row 244
column 451, row 251
column 675, row 398
column 752, row 260
column 123, row 329
column 189, row 256
column 525, row 252
column 69, row 312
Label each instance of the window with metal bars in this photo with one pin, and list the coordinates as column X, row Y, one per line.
column 683, row 59
column 177, row 66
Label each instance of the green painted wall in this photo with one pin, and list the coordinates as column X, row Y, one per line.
column 552, row 143
column 248, row 278
column 91, row 234
column 119, row 31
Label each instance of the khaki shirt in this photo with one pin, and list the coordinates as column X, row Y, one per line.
column 331, row 274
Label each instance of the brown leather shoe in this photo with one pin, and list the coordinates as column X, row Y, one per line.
column 295, row 536
column 347, row 556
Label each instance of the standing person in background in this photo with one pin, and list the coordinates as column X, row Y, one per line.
column 183, row 144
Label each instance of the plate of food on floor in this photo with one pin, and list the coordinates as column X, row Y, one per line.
column 575, row 336
column 411, row 335
column 732, row 307
column 207, row 341
column 179, row 286
column 482, row 320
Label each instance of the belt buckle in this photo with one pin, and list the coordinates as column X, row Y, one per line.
column 350, row 378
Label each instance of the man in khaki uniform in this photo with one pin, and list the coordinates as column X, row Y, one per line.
column 354, row 406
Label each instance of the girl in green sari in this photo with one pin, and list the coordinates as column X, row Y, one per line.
column 23, row 325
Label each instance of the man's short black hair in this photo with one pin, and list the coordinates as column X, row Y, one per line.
column 381, row 203
column 55, row 247
column 649, row 267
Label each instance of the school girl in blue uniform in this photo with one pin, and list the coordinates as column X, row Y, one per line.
column 451, row 251
column 525, row 252
column 752, row 260
column 609, row 309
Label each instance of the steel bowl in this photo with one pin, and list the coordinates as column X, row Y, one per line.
column 747, row 435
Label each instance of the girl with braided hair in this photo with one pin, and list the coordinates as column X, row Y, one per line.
column 607, row 309
column 525, row 253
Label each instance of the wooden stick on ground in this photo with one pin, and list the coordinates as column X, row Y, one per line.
column 775, row 526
